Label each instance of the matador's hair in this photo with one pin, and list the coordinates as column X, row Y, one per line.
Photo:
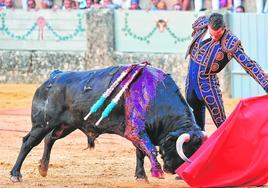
column 216, row 21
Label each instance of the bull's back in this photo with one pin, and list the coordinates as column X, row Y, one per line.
column 68, row 96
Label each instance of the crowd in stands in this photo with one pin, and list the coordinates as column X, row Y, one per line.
column 184, row 5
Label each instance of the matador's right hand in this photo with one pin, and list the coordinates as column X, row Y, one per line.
column 266, row 76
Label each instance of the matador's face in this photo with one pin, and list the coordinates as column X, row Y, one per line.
column 216, row 34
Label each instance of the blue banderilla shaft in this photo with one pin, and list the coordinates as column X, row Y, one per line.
column 108, row 92
column 115, row 100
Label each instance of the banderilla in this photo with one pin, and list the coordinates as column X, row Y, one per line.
column 108, row 92
column 115, row 100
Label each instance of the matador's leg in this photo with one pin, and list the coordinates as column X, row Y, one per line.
column 198, row 107
column 214, row 103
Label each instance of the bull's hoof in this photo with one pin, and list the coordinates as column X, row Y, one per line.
column 158, row 174
column 15, row 179
column 178, row 178
column 42, row 168
column 142, row 180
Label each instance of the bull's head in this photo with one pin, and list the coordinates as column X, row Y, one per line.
column 178, row 147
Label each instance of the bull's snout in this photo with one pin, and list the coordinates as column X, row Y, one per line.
column 169, row 169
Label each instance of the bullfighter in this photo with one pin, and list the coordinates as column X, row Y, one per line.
column 212, row 47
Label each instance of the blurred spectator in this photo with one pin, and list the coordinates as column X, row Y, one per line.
column 89, row 3
column 2, row 4
column 123, row 4
column 215, row 4
column 82, row 4
column 74, row 4
column 266, row 7
column 8, row 4
column 262, row 6
column 105, row 3
column 109, row 4
column 162, row 5
column 237, row 3
column 240, row 9
column 57, row 4
column 67, row 4
column 31, row 4
column 134, row 5
column 96, row 4
column 45, row 4
column 228, row 4
column 154, row 4
column 177, row 6
column 70, row 4
column 186, row 4
column 223, row 3
column 259, row 6
column 24, row 4
column 232, row 4
column 198, row 5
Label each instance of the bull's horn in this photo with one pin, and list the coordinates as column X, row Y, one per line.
column 185, row 137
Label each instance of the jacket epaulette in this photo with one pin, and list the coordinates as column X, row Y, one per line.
column 229, row 42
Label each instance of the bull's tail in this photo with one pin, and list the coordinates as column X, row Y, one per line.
column 39, row 105
column 40, row 100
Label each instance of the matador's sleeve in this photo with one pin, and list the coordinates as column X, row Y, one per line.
column 198, row 24
column 251, row 67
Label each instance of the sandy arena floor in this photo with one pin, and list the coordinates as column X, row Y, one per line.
column 110, row 164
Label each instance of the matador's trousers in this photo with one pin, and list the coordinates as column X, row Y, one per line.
column 203, row 91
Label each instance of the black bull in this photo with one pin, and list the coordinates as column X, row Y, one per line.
column 152, row 112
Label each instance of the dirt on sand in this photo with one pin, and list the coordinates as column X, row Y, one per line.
column 110, row 164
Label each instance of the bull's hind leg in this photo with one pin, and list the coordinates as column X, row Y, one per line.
column 135, row 132
column 58, row 133
column 33, row 138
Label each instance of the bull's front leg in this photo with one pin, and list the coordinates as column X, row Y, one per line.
column 140, row 172
column 136, row 133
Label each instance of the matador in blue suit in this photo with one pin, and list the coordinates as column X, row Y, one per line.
column 212, row 47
